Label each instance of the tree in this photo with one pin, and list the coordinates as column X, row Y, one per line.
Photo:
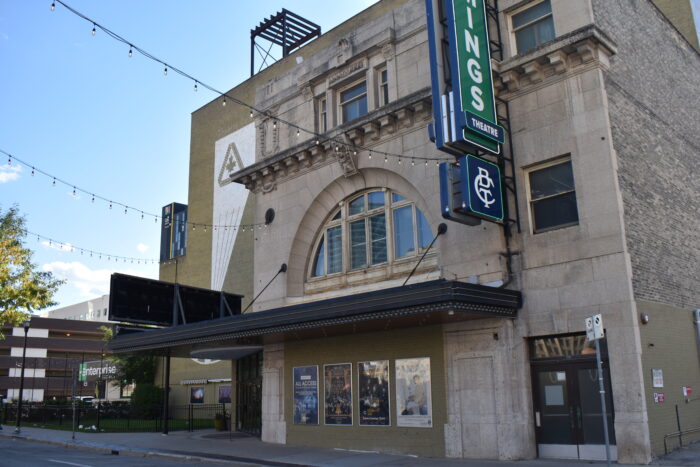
column 131, row 368
column 23, row 288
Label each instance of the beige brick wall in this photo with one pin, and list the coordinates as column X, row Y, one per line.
column 669, row 343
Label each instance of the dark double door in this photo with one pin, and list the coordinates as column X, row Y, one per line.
column 568, row 415
column 249, row 394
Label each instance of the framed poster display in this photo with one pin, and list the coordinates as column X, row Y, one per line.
column 197, row 395
column 413, row 398
column 338, row 393
column 305, row 382
column 225, row 394
column 373, row 387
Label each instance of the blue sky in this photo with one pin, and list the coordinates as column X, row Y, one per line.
column 76, row 106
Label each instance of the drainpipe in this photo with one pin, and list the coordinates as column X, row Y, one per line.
column 696, row 315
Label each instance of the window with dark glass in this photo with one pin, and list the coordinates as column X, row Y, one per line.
column 553, row 197
column 353, row 101
column 533, row 26
column 383, row 76
column 370, row 229
column 322, row 116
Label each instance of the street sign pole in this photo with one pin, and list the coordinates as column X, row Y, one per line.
column 73, row 398
column 601, row 387
column 595, row 332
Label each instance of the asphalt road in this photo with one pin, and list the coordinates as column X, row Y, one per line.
column 18, row 453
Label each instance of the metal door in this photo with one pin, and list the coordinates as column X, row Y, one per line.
column 249, row 394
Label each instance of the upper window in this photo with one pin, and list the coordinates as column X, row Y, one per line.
column 383, row 86
column 553, row 197
column 533, row 26
column 371, row 229
column 322, row 115
column 353, row 101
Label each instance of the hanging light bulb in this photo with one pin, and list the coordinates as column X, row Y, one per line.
column 9, row 160
column 224, row 102
column 32, row 171
column 131, row 52
column 155, row 219
column 370, row 155
column 297, row 132
column 141, row 215
column 165, row 71
column 53, row 6
column 385, row 159
column 274, row 124
column 110, row 205
column 205, row 228
column 426, row 162
column 194, row 227
column 399, row 161
column 354, row 153
column 437, row 163
column 54, row 182
column 317, row 142
column 413, row 163
column 73, row 192
column 124, row 210
column 93, row 198
column 195, row 86
column 94, row 30
column 337, row 148
column 243, row 228
column 251, row 113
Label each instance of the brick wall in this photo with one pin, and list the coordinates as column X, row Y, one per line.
column 652, row 84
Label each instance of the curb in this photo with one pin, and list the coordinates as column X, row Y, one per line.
column 178, row 455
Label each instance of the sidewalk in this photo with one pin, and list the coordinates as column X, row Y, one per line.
column 245, row 450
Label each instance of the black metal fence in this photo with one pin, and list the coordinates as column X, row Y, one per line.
column 118, row 417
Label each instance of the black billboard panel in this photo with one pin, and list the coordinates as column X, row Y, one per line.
column 147, row 301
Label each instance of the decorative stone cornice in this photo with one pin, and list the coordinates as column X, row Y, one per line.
column 571, row 53
column 263, row 176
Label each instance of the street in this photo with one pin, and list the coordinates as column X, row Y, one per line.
column 19, row 453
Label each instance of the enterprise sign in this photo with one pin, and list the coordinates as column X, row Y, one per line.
column 465, row 112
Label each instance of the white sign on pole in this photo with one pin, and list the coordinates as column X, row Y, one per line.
column 598, row 332
column 589, row 329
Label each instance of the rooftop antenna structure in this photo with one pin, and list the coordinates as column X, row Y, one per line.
column 284, row 29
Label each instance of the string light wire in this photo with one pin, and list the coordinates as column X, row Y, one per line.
column 64, row 246
column 93, row 196
column 225, row 96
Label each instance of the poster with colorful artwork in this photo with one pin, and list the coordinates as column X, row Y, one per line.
column 305, row 381
column 373, row 387
column 338, row 393
column 225, row 394
column 197, row 395
column 413, row 398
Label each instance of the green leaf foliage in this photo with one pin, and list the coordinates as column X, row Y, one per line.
column 23, row 288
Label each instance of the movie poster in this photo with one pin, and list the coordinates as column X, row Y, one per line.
column 338, row 393
column 413, row 398
column 197, row 395
column 306, row 395
column 373, row 382
column 225, row 394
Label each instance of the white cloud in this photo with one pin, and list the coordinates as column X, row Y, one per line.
column 9, row 173
column 58, row 246
column 142, row 247
column 91, row 283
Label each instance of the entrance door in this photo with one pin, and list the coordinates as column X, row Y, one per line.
column 249, row 394
column 568, row 415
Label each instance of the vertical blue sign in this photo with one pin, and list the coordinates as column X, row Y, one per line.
column 481, row 188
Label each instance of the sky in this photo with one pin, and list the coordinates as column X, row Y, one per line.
column 78, row 107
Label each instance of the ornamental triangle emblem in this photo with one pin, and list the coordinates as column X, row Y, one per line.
column 232, row 163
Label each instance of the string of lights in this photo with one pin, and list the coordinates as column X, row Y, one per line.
column 118, row 205
column 317, row 138
column 64, row 246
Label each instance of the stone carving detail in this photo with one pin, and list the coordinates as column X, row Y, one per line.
column 388, row 52
column 268, row 136
column 344, row 50
column 307, row 93
column 346, row 161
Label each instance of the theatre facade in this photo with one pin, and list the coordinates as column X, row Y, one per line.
column 371, row 320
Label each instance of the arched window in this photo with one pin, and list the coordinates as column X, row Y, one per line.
column 370, row 229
